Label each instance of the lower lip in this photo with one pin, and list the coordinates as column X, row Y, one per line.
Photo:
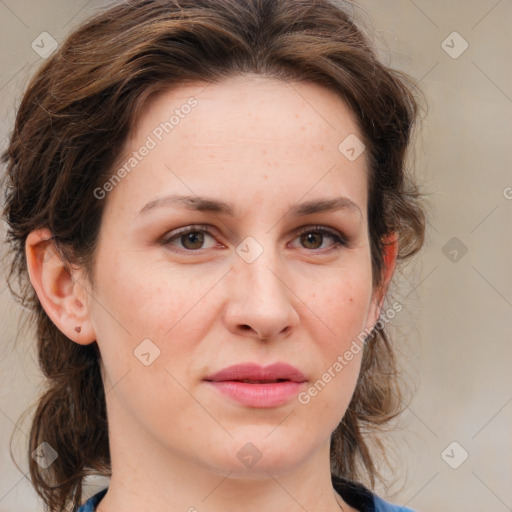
column 259, row 395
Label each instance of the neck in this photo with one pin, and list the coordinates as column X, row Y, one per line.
column 147, row 476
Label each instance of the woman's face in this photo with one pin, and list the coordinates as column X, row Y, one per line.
column 244, row 286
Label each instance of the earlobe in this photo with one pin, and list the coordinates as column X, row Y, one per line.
column 62, row 293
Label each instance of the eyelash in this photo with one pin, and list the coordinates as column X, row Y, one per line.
column 339, row 241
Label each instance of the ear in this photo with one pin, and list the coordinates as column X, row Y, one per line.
column 390, row 254
column 62, row 292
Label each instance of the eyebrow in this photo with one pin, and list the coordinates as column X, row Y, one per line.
column 209, row 204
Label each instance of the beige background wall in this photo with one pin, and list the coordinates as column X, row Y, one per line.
column 455, row 330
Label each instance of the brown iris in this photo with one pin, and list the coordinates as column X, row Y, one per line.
column 195, row 238
column 309, row 238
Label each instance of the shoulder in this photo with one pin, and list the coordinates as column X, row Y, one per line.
column 354, row 494
column 91, row 504
column 359, row 497
column 384, row 506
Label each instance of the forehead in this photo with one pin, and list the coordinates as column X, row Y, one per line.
column 297, row 105
column 246, row 132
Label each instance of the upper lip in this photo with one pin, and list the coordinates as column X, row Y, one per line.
column 253, row 371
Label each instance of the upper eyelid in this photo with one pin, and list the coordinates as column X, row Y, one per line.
column 211, row 229
column 317, row 227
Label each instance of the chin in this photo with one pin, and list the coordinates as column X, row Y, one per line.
column 257, row 456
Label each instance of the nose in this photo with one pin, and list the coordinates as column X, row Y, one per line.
column 261, row 299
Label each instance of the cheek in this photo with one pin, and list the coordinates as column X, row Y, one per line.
column 152, row 314
column 340, row 306
column 157, row 301
column 343, row 303
column 338, row 334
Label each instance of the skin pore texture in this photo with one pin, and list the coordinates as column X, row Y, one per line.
column 262, row 145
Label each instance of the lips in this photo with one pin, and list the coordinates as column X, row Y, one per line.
column 252, row 385
column 253, row 373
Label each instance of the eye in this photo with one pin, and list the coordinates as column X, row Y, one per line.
column 191, row 238
column 312, row 237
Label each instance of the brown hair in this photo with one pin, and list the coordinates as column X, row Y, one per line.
column 75, row 116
